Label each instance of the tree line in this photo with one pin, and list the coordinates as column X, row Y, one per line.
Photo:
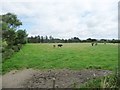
column 12, row 37
column 50, row 39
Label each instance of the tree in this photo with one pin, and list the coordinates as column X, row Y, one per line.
column 91, row 40
column 42, row 39
column 76, row 39
column 10, row 20
column 51, row 39
column 46, row 39
column 39, row 39
column 9, row 36
column 21, row 37
column 13, row 37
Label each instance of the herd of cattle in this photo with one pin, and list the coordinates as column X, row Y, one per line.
column 60, row 45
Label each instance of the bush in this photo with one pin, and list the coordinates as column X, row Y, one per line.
column 94, row 67
column 7, row 54
column 15, row 48
column 19, row 46
column 1, row 49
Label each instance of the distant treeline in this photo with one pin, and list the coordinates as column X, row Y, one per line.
column 50, row 39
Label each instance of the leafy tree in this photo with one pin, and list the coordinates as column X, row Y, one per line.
column 21, row 37
column 10, row 20
column 50, row 37
column 76, row 39
column 13, row 37
column 46, row 39
column 38, row 39
column 9, row 36
column 42, row 39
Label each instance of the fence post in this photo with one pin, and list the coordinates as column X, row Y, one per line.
column 53, row 83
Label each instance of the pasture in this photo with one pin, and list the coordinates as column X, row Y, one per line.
column 71, row 56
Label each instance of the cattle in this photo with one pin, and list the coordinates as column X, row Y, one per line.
column 60, row 45
column 92, row 44
column 95, row 44
column 54, row 46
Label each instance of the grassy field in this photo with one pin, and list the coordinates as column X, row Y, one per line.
column 73, row 56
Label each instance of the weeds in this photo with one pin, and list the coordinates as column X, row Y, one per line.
column 110, row 81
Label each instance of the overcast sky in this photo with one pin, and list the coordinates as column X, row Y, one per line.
column 66, row 18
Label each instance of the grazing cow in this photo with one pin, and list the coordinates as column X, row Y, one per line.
column 95, row 44
column 60, row 45
column 54, row 46
column 92, row 44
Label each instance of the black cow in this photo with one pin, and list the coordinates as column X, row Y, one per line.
column 92, row 44
column 60, row 45
column 54, row 46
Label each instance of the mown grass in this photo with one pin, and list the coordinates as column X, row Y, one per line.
column 73, row 56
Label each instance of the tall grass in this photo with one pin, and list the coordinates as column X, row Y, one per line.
column 110, row 81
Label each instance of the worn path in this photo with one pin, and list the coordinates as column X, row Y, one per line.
column 64, row 78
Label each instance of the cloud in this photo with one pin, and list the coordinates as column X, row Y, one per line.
column 66, row 18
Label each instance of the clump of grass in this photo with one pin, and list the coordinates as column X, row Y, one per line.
column 94, row 67
column 110, row 81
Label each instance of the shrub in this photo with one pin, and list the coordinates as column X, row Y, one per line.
column 7, row 54
column 15, row 48
column 1, row 49
column 94, row 67
column 19, row 46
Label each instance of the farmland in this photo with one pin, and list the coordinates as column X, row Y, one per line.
column 75, row 56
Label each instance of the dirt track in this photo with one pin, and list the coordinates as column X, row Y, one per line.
column 0, row 82
column 30, row 78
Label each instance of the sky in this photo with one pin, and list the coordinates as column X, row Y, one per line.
column 66, row 18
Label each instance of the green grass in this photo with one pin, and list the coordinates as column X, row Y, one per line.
column 73, row 56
